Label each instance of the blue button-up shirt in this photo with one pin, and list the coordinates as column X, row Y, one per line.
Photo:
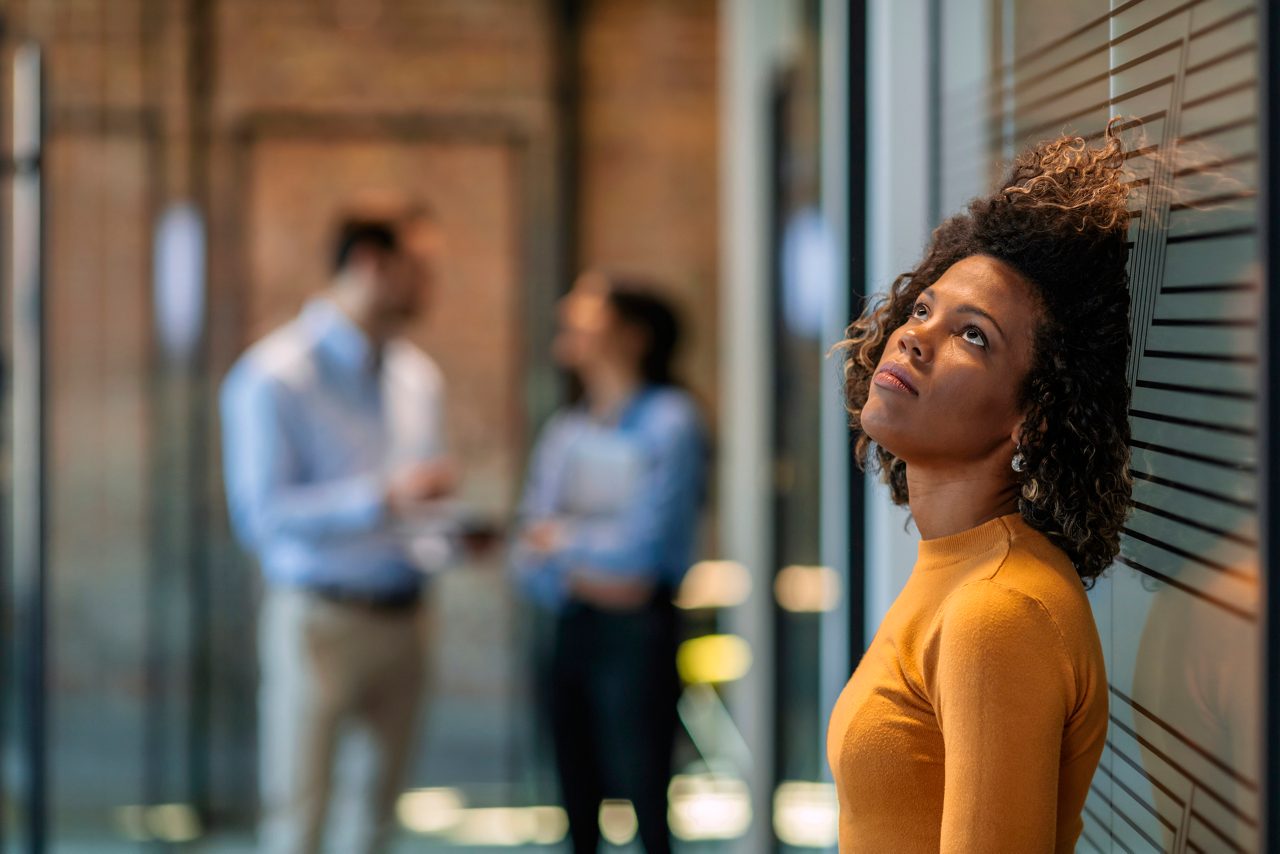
column 628, row 493
column 314, row 421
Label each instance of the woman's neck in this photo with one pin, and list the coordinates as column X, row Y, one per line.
column 607, row 387
column 946, row 501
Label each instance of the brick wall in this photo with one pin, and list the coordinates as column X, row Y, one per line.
column 647, row 165
column 312, row 99
column 649, row 140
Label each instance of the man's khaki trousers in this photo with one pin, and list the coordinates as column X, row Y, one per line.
column 339, row 700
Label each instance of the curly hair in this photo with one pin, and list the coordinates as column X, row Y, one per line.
column 1060, row 220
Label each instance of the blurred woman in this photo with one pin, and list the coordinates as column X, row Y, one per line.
column 992, row 382
column 609, row 519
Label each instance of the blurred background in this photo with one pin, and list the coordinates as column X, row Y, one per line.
column 173, row 170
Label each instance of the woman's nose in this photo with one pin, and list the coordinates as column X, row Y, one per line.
column 915, row 345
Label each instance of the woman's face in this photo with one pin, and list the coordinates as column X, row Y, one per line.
column 588, row 332
column 946, row 390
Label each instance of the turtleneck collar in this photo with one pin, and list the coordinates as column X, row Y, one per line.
column 969, row 544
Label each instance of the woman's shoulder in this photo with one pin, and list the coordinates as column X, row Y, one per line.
column 1038, row 568
column 559, row 428
column 986, row 615
column 992, row 605
column 1035, row 588
column 672, row 408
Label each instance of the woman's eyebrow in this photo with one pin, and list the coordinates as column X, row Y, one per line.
column 969, row 309
column 973, row 309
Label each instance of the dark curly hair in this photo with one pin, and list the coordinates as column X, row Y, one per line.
column 1060, row 220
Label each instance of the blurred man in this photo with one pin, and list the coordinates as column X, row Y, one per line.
column 333, row 449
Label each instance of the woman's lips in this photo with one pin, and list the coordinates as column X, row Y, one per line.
column 894, row 377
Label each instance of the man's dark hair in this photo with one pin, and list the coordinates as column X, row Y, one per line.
column 362, row 233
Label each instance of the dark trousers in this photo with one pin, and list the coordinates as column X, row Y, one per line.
column 613, row 699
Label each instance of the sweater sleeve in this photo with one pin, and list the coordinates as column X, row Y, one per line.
column 1000, row 680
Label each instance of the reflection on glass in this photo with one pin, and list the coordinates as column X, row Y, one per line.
column 803, row 285
column 1178, row 615
column 1195, row 709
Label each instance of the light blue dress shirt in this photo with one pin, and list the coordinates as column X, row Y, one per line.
column 628, row 492
column 314, row 421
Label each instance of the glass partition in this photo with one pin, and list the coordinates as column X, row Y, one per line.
column 1179, row 612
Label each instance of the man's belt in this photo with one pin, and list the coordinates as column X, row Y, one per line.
column 401, row 600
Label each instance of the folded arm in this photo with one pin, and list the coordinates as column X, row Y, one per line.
column 668, row 495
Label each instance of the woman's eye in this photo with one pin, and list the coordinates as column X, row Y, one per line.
column 920, row 310
column 974, row 335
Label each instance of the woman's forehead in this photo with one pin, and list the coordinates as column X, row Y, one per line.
column 989, row 284
column 583, row 304
column 981, row 274
column 993, row 288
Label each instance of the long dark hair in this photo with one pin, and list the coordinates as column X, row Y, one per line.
column 637, row 304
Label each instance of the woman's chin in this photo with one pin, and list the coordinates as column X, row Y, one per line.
column 882, row 431
column 876, row 424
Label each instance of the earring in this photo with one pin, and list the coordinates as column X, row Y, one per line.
column 1019, row 462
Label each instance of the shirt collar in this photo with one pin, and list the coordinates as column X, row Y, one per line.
column 624, row 415
column 342, row 342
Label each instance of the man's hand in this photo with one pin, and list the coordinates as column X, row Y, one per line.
column 421, row 482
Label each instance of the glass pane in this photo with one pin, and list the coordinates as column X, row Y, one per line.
column 1178, row 613
column 102, row 621
column 807, row 592
column 21, row 471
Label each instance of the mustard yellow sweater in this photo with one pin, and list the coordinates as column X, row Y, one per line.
column 975, row 720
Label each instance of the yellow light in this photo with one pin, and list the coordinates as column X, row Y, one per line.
column 442, row 812
column 494, row 826
column 551, row 824
column 708, row 806
column 132, row 823
column 806, row 814
column 714, row 584
column 174, row 822
column 159, row 822
column 618, row 824
column 713, row 659
column 807, row 589
column 510, row 826
column 430, row 811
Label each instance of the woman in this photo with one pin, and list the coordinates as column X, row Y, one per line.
column 610, row 516
column 990, row 389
